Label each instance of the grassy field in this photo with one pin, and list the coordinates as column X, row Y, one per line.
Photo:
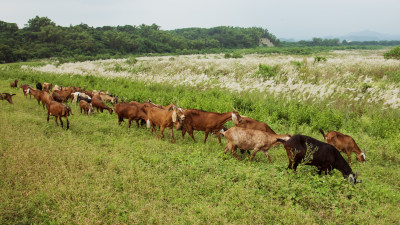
column 98, row 172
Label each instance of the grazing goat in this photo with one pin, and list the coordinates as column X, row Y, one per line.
column 130, row 112
column 58, row 110
column 46, row 98
column 36, row 94
column 98, row 104
column 14, row 84
column 89, row 93
column 108, row 98
column 25, row 88
column 47, row 86
column 56, row 87
column 87, row 107
column 316, row 153
column 344, row 143
column 164, row 118
column 207, row 121
column 78, row 96
column 248, row 139
column 58, row 98
column 39, row 86
column 66, row 93
column 253, row 124
column 7, row 96
column 141, row 108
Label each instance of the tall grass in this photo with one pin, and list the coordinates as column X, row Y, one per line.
column 99, row 172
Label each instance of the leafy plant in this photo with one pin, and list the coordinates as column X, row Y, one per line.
column 394, row 53
column 265, row 71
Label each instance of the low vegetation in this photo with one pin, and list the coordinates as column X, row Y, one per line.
column 99, row 172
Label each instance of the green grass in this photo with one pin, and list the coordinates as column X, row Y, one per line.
column 99, row 172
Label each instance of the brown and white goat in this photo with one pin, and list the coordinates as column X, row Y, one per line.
column 98, row 104
column 164, row 118
column 14, row 84
column 130, row 112
column 25, row 88
column 87, row 107
column 249, row 139
column 7, row 96
column 36, row 94
column 58, row 110
column 343, row 143
column 207, row 121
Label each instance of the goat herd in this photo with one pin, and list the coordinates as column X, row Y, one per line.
column 247, row 134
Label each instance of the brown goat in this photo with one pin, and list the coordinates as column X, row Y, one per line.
column 47, row 86
column 207, row 121
column 14, row 84
column 7, row 96
column 253, row 124
column 65, row 93
column 89, row 93
column 87, row 107
column 36, row 94
column 165, row 118
column 107, row 98
column 248, row 139
column 130, row 112
column 58, row 98
column 344, row 143
column 25, row 88
column 45, row 97
column 98, row 104
column 250, row 123
column 58, row 110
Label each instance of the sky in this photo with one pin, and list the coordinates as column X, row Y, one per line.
column 296, row 19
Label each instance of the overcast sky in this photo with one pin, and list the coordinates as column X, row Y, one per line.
column 299, row 19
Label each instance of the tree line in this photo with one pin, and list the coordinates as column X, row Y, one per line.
column 42, row 38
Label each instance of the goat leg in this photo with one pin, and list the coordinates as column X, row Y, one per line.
column 67, row 122
column 62, row 125
column 254, row 154
column 267, row 155
column 205, row 137
column 162, row 132
column 172, row 134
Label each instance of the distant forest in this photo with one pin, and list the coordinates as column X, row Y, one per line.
column 42, row 38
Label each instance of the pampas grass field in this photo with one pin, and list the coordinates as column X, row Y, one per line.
column 100, row 173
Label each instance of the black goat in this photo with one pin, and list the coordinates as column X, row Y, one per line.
column 316, row 153
column 39, row 86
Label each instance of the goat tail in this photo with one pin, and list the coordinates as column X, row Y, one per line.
column 283, row 141
column 322, row 132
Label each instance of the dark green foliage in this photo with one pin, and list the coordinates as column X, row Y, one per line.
column 392, row 54
column 42, row 38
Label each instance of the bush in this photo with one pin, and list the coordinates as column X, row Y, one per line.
column 392, row 54
column 265, row 71
column 318, row 59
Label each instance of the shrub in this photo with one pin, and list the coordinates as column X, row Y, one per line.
column 265, row 71
column 393, row 53
column 318, row 59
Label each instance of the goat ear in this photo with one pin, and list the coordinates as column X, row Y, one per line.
column 174, row 116
column 235, row 119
